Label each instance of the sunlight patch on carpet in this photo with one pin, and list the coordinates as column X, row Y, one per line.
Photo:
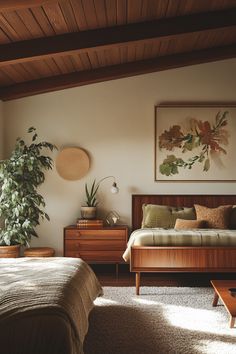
column 104, row 302
column 195, row 319
column 215, row 347
column 146, row 301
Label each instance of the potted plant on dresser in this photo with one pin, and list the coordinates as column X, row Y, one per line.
column 90, row 209
column 21, row 206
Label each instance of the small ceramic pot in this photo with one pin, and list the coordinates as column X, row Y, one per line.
column 88, row 212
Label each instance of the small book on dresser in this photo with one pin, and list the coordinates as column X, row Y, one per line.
column 83, row 223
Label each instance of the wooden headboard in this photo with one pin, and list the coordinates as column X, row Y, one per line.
column 211, row 201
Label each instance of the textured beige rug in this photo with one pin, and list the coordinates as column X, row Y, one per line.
column 160, row 320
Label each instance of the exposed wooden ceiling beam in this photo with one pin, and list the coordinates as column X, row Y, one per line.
column 70, row 43
column 13, row 5
column 116, row 72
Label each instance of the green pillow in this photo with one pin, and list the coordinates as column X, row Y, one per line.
column 165, row 216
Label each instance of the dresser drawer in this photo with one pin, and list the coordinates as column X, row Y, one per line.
column 72, row 253
column 100, row 234
column 97, row 256
column 102, row 256
column 100, row 244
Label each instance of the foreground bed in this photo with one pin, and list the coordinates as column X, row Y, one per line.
column 44, row 304
column 180, row 258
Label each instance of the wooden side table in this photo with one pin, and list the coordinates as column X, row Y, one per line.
column 221, row 288
column 39, row 252
column 96, row 245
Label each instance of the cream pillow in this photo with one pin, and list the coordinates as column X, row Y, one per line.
column 216, row 218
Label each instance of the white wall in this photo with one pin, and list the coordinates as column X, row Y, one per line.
column 114, row 122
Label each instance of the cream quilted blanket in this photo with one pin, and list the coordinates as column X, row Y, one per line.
column 173, row 237
column 44, row 304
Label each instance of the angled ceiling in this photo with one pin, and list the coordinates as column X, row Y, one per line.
column 47, row 45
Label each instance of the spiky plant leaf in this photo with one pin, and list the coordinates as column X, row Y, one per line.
column 91, row 200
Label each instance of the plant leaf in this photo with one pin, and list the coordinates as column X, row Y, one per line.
column 206, row 165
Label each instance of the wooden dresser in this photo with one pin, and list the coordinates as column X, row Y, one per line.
column 105, row 245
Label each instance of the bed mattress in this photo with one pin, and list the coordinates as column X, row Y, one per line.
column 173, row 237
column 44, row 304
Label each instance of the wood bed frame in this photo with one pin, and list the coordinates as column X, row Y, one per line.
column 179, row 259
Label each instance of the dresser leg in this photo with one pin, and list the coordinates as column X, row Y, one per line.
column 137, row 280
column 117, row 270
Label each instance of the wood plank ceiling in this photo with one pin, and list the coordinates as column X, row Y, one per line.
column 47, row 45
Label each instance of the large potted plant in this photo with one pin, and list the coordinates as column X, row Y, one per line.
column 21, row 206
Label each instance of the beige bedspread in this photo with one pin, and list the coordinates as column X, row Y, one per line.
column 172, row 237
column 44, row 305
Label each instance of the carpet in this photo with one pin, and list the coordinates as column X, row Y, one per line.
column 161, row 320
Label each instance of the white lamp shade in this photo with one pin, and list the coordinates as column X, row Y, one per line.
column 114, row 189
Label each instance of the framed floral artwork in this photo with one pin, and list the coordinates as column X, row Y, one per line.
column 195, row 143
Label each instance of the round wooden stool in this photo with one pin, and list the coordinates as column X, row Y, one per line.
column 39, row 252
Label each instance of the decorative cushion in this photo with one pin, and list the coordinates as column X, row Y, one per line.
column 189, row 224
column 216, row 218
column 164, row 215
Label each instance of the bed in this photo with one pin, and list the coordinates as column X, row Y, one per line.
column 45, row 304
column 194, row 258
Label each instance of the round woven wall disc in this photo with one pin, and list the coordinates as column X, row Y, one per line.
column 72, row 163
